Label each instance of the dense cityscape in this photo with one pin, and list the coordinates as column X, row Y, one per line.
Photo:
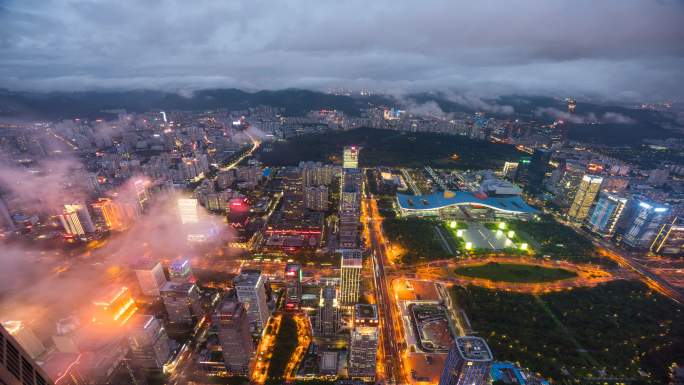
column 336, row 234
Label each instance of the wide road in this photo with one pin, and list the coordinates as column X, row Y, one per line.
column 391, row 353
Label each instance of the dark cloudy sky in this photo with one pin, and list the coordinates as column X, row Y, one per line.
column 619, row 48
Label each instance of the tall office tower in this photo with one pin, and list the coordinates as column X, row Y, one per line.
column 234, row 335
column 606, row 214
column 150, row 276
column 111, row 215
column 6, row 221
column 327, row 311
column 76, row 220
column 180, row 271
column 350, row 208
column 114, row 307
column 16, row 365
column 350, row 276
column 643, row 224
column 83, row 216
column 316, row 198
column 181, row 301
column 25, row 337
column 364, row 343
column 670, row 239
column 570, row 177
column 350, row 157
column 148, row 342
column 250, row 289
column 509, row 170
column 586, row 194
column 468, row 363
column 293, row 283
column 187, row 208
column 141, row 193
column 538, row 166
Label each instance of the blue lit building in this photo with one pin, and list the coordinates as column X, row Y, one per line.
column 644, row 222
column 468, row 363
column 608, row 211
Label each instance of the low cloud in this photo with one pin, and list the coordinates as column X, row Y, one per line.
column 608, row 117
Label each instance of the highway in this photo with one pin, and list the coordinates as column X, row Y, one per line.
column 255, row 144
column 390, row 354
column 651, row 279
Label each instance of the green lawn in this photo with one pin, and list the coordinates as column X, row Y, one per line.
column 418, row 237
column 509, row 272
column 614, row 330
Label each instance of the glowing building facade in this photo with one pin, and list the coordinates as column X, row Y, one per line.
column 584, row 198
column 350, row 276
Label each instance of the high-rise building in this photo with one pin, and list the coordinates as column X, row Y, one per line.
column 293, row 282
column 250, row 289
column 606, row 214
column 141, row 193
column 16, row 365
column 364, row 343
column 316, row 174
column 150, row 276
column 536, row 170
column 234, row 335
column 25, row 337
column 180, row 271
column 670, row 239
column 148, row 342
column 316, row 198
column 350, row 208
column 644, row 221
column 114, row 307
column 467, row 363
column 181, row 301
column 76, row 220
column 328, row 311
column 584, row 198
column 350, row 276
column 350, row 157
column 187, row 208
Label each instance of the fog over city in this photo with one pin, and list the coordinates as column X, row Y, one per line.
column 619, row 49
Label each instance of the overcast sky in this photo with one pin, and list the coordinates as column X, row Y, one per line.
column 618, row 48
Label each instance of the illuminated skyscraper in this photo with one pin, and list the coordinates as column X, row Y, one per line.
column 350, row 276
column 150, row 276
column 584, row 198
column 148, row 341
column 16, row 365
column 364, row 343
column 644, row 222
column 293, row 282
column 606, row 214
column 182, row 302
column 187, row 208
column 316, row 198
column 670, row 239
column 110, row 214
column 350, row 157
column 234, row 335
column 76, row 220
column 115, row 307
column 328, row 311
column 468, row 363
column 250, row 289
column 141, row 194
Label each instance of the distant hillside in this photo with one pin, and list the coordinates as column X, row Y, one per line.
column 92, row 104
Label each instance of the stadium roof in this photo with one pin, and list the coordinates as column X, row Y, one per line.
column 435, row 201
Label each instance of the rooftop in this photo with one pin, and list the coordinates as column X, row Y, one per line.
column 439, row 200
column 364, row 311
column 473, row 349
